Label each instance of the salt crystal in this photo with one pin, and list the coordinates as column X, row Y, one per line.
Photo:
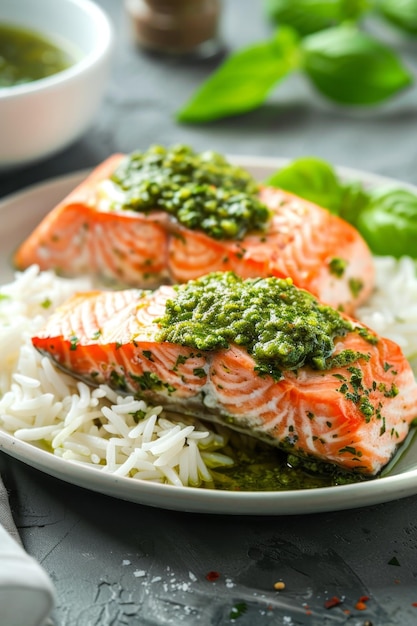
column 139, row 573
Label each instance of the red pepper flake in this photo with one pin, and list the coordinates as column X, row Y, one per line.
column 335, row 601
column 212, row 576
column 307, row 609
column 361, row 603
column 414, row 604
column 364, row 599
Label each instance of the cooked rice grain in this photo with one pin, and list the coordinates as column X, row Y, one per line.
column 392, row 309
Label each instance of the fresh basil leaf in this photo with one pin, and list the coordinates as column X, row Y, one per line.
column 350, row 67
column 316, row 180
column 386, row 216
column 389, row 222
column 244, row 80
column 353, row 201
column 402, row 13
column 312, row 179
column 310, row 16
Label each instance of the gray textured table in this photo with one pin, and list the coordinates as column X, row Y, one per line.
column 115, row 562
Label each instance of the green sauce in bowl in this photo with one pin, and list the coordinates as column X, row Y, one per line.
column 26, row 56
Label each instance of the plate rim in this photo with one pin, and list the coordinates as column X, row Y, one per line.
column 200, row 500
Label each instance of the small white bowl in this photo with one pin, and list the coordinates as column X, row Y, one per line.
column 42, row 117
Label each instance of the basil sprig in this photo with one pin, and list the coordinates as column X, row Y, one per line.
column 317, row 181
column 401, row 13
column 243, row 82
column 323, row 40
column 350, row 67
column 312, row 179
column 385, row 216
column 389, row 222
column 310, row 16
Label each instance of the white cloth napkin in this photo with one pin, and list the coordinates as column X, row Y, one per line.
column 26, row 591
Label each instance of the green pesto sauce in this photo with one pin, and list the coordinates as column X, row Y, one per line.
column 202, row 191
column 281, row 326
column 262, row 468
column 26, row 56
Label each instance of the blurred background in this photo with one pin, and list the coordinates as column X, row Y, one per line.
column 145, row 91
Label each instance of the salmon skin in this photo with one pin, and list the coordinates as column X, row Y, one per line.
column 353, row 415
column 83, row 236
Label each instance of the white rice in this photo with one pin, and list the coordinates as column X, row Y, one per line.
column 42, row 405
column 392, row 309
column 127, row 437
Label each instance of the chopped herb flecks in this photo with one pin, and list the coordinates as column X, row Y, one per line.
column 346, row 357
column 367, row 335
column 337, row 266
column 238, row 610
column 74, row 342
column 351, row 450
column 45, row 304
column 151, row 381
column 354, row 390
column 118, row 380
column 355, row 286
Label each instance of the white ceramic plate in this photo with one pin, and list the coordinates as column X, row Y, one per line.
column 18, row 216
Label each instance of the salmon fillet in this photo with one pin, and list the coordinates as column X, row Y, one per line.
column 82, row 236
column 352, row 415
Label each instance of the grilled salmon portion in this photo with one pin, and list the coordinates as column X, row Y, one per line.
column 84, row 235
column 353, row 415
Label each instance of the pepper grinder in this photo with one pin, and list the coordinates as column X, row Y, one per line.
column 177, row 27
